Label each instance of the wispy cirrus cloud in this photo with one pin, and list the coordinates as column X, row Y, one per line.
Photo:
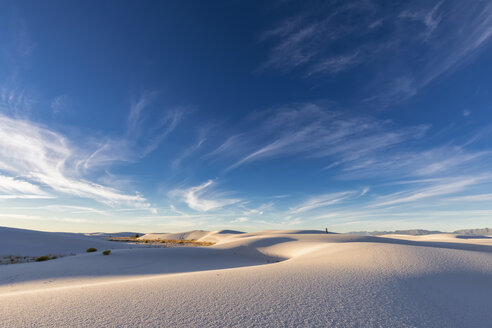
column 137, row 111
column 74, row 209
column 17, row 48
column 335, row 64
column 333, row 37
column 195, row 147
column 310, row 131
column 203, row 198
column 241, row 219
column 429, row 18
column 24, row 45
column 17, row 188
column 302, row 39
column 433, row 161
column 428, row 189
column 15, row 100
column 43, row 160
column 472, row 198
column 146, row 130
column 59, row 103
column 360, row 147
column 148, row 124
column 321, row 201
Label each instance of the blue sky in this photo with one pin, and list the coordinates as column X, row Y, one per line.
column 154, row 116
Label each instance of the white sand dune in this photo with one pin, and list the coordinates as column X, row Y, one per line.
column 199, row 235
column 36, row 243
column 321, row 280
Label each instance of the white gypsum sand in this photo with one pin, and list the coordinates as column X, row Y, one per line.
column 321, row 280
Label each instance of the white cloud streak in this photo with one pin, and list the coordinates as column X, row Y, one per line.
column 437, row 161
column 44, row 159
column 323, row 38
column 439, row 188
column 74, row 209
column 310, row 131
column 20, row 187
column 240, row 220
column 15, row 100
column 201, row 198
column 146, row 130
column 472, row 198
column 335, row 64
column 322, row 201
column 429, row 18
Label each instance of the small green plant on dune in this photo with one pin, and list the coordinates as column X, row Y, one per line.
column 137, row 235
column 45, row 258
column 90, row 250
column 106, row 252
column 42, row 258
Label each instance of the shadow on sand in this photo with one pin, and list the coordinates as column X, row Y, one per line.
column 438, row 244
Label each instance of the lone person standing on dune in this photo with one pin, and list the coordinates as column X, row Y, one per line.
column 326, row 229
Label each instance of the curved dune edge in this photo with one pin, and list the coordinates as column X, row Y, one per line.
column 323, row 280
column 232, row 250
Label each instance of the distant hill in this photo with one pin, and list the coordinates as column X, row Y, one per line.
column 483, row 231
column 420, row 232
column 413, row 232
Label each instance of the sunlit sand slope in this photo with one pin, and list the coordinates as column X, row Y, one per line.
column 321, row 280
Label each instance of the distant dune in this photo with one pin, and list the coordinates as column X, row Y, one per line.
column 288, row 278
column 24, row 242
column 414, row 232
column 198, row 235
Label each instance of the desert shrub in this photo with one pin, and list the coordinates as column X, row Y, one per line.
column 106, row 252
column 90, row 250
column 42, row 258
column 137, row 235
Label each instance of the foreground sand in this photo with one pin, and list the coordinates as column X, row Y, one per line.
column 320, row 281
